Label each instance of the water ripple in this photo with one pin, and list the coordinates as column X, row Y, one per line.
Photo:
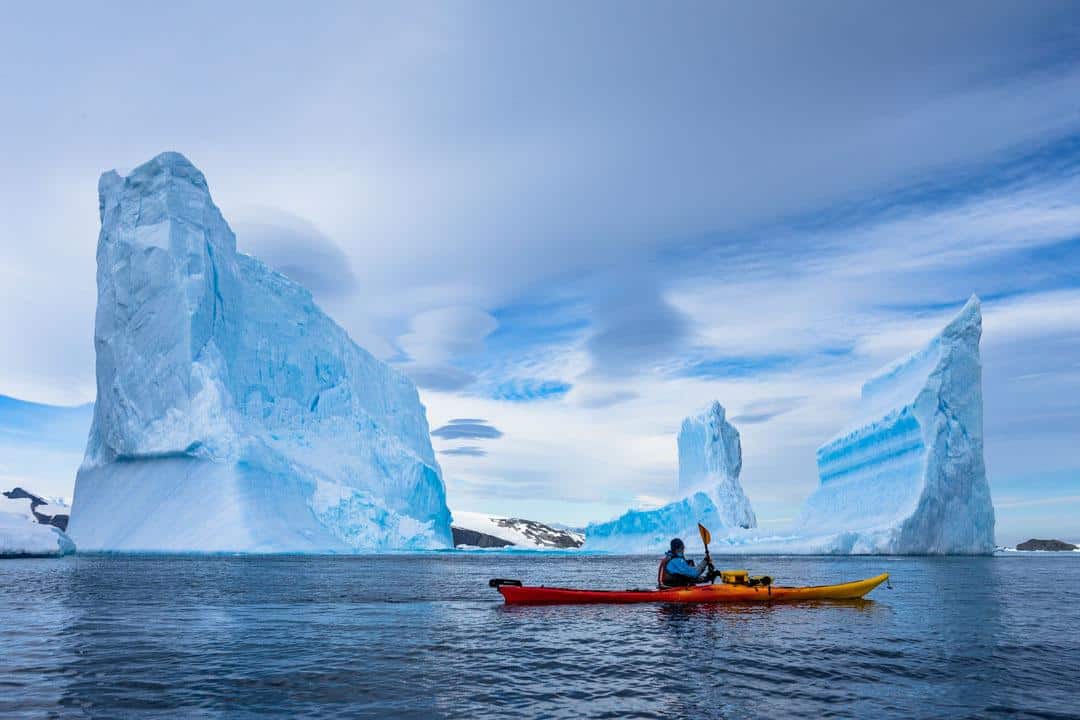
column 423, row 636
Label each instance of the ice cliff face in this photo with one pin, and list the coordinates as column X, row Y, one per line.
column 232, row 414
column 710, row 460
column 908, row 477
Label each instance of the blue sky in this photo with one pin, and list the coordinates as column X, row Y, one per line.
column 579, row 225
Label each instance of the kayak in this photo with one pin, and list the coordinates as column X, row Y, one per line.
column 517, row 594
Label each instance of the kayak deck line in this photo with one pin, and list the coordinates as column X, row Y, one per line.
column 515, row 593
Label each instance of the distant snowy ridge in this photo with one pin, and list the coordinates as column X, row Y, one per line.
column 232, row 414
column 47, row 511
column 515, row 532
column 26, row 526
column 710, row 461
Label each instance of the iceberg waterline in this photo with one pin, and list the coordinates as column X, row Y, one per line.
column 232, row 414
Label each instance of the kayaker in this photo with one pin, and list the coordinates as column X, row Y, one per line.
column 676, row 571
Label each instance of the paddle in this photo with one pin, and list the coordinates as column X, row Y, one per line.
column 706, row 537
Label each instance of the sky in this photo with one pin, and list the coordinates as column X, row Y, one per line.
column 574, row 225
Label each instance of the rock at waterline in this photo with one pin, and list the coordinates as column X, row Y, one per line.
column 53, row 512
column 491, row 531
column 1046, row 545
column 25, row 531
column 463, row 537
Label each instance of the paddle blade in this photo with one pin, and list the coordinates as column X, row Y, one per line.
column 706, row 536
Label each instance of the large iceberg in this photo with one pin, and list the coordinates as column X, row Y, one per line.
column 908, row 476
column 710, row 461
column 232, row 414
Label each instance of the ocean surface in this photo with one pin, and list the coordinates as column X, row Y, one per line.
column 423, row 636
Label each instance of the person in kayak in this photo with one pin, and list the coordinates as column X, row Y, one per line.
column 676, row 571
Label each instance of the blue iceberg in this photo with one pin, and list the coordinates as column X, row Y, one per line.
column 710, row 461
column 908, row 476
column 232, row 414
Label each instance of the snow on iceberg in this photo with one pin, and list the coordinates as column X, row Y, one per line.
column 908, row 477
column 232, row 414
column 710, row 460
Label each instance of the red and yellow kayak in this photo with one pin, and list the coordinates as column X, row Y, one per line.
column 517, row 594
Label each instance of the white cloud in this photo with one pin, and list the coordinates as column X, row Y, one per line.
column 437, row 336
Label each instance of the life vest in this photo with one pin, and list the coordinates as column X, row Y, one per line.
column 666, row 580
column 661, row 571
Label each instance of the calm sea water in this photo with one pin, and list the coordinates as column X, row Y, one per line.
column 423, row 636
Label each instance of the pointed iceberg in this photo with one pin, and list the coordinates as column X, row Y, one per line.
column 710, row 461
column 908, row 476
column 232, row 414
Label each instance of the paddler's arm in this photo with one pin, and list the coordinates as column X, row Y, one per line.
column 679, row 566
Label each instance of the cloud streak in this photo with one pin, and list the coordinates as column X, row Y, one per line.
column 466, row 428
column 465, row 451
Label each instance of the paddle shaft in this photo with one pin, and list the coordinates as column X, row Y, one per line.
column 705, row 537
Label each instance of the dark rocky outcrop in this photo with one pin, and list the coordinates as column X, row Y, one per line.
column 541, row 534
column 472, row 538
column 59, row 520
column 1051, row 545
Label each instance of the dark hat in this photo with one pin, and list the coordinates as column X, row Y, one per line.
column 677, row 545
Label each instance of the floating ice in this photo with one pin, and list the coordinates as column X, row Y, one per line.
column 908, row 477
column 232, row 414
column 710, row 460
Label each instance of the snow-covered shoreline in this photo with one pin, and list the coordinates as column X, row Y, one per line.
column 518, row 533
column 22, row 536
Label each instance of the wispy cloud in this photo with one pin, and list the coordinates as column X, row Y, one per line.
column 295, row 247
column 528, row 390
column 605, row 398
column 467, row 428
column 761, row 411
column 1009, row 504
column 465, row 451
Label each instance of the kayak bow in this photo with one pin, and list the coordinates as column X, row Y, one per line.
column 517, row 594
